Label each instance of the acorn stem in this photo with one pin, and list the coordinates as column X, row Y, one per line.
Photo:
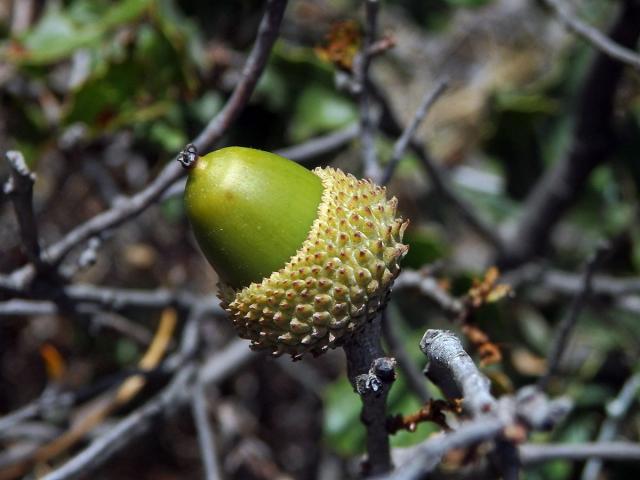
column 371, row 374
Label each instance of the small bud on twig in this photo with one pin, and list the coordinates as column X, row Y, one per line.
column 382, row 372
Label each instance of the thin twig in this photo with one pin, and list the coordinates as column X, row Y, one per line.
column 616, row 410
column 171, row 399
column 267, row 34
column 130, row 207
column 19, row 188
column 380, row 46
column 48, row 399
column 451, row 368
column 529, row 408
column 87, row 258
column 110, row 320
column 109, row 298
column 563, row 332
column 601, row 284
column 428, row 100
column 126, row 430
column 206, row 438
column 303, row 153
column 119, row 298
column 361, row 71
column 426, row 457
column 363, row 353
column 533, row 454
column 99, row 408
column 569, row 283
column 592, row 143
column 19, row 307
column 428, row 286
column 392, row 127
column 414, row 378
column 321, row 145
column 622, row 293
column 592, row 35
column 20, row 415
column 218, row 366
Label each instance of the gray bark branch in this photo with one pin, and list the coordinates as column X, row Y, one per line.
column 453, row 370
column 363, row 352
column 592, row 143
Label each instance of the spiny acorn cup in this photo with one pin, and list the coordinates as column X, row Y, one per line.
column 305, row 258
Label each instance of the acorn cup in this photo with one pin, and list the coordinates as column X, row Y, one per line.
column 305, row 258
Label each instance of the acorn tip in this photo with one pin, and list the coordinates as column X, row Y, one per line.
column 188, row 156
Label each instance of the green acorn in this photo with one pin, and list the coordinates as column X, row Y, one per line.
column 305, row 258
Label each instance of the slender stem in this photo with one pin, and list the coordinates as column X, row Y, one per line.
column 592, row 35
column 367, row 127
column 616, row 410
column 592, row 144
column 391, row 126
column 402, row 143
column 566, row 326
column 206, row 438
column 20, row 279
column 323, row 144
column 533, row 454
column 363, row 352
column 414, row 377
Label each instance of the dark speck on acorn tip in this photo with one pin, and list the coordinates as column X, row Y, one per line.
column 188, row 156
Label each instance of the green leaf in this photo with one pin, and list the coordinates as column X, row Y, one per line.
column 124, row 12
column 184, row 38
column 426, row 245
column 54, row 38
column 272, row 88
column 342, row 428
column 171, row 139
column 205, row 107
column 62, row 31
column 100, row 100
column 318, row 110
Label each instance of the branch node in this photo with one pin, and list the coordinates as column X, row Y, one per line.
column 381, row 374
column 539, row 413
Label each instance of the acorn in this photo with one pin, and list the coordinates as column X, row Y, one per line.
column 305, row 258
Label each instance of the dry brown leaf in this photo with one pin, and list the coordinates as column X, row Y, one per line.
column 487, row 290
column 342, row 44
column 432, row 411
